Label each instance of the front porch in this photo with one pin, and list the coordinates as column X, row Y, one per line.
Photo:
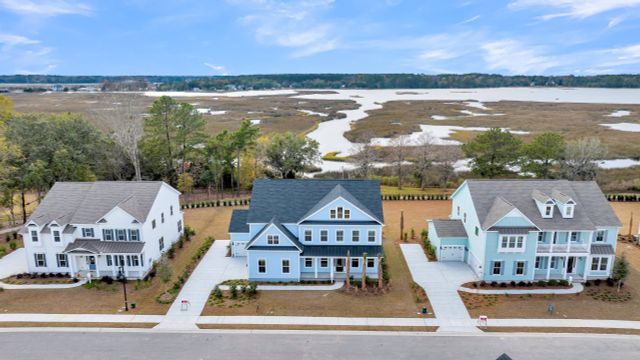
column 560, row 267
column 94, row 266
column 336, row 268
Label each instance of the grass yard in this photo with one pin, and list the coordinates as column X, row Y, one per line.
column 399, row 301
column 108, row 299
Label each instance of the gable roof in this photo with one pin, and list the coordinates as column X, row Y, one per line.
column 449, row 228
column 283, row 230
column 88, row 202
column 338, row 192
column 494, row 197
column 291, row 199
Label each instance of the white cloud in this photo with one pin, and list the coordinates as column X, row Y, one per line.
column 219, row 68
column 295, row 25
column 11, row 40
column 437, row 54
column 580, row 9
column 20, row 52
column 516, row 58
column 47, row 7
column 469, row 20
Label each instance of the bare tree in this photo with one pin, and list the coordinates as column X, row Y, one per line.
column 424, row 154
column 445, row 159
column 398, row 155
column 580, row 156
column 125, row 121
column 364, row 156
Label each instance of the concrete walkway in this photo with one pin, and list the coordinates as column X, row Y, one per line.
column 82, row 318
column 214, row 268
column 13, row 263
column 42, row 286
column 335, row 286
column 441, row 281
column 574, row 289
column 317, row 321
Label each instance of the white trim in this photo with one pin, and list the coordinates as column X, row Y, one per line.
column 519, row 213
column 524, row 268
column 333, row 201
column 514, row 249
column 258, row 265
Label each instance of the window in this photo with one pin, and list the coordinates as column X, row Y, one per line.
column 34, row 235
column 371, row 263
column 599, row 263
column 332, row 213
column 538, row 262
column 171, row 210
column 496, row 269
column 161, row 243
column 458, row 210
column 600, row 235
column 355, row 235
column 133, row 260
column 568, row 211
column 339, row 235
column 540, row 237
column 340, row 215
column 520, row 268
column 574, row 236
column 62, row 260
column 347, row 213
column 107, row 234
column 371, row 236
column 548, row 210
column 262, row 266
column 324, row 235
column 464, row 219
column 308, row 235
column 355, row 263
column 56, row 236
column 141, row 259
column 324, row 262
column 554, row 262
column 119, row 260
column 179, row 226
column 153, row 223
column 477, row 231
column 162, row 218
column 109, row 261
column 285, row 266
column 121, row 235
column 273, row 239
column 308, row 262
column 87, row 232
column 41, row 260
column 134, row 235
column 513, row 243
column 128, row 260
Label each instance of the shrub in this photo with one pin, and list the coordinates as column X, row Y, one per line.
column 542, row 283
column 75, row 280
column 494, row 284
column 3, row 251
column 483, row 283
column 405, row 236
column 107, row 279
column 43, row 275
column 503, row 285
column 474, row 284
column 233, row 292
column 13, row 244
column 587, row 283
column 563, row 282
column 252, row 290
column 413, row 234
column 217, row 293
column 513, row 283
column 529, row 284
column 553, row 282
column 522, row 284
column 610, row 282
column 180, row 241
column 188, row 232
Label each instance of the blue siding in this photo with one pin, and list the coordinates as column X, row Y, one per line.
column 274, row 265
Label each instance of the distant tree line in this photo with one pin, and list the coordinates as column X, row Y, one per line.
column 336, row 81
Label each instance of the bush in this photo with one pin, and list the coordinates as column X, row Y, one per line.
column 563, row 282
column 522, row 284
column 542, row 283
column 3, row 251
column 233, row 292
column 180, row 242
column 413, row 234
column 13, row 244
column 513, row 283
column 610, row 282
column 107, row 279
column 188, row 232
column 529, row 284
column 217, row 293
column 43, row 275
column 494, row 284
column 553, row 282
column 252, row 289
column 587, row 283
column 474, row 284
column 503, row 285
column 483, row 283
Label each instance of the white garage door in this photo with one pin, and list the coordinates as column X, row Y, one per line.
column 238, row 248
column 452, row 253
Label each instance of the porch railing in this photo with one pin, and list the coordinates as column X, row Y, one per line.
column 559, row 248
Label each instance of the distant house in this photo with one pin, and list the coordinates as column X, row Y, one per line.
column 512, row 230
column 309, row 229
column 99, row 228
column 57, row 88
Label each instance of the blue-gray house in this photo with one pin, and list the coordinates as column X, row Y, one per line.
column 525, row 230
column 308, row 229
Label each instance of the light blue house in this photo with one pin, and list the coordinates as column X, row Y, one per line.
column 310, row 229
column 525, row 230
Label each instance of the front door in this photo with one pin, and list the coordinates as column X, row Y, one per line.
column 91, row 261
column 571, row 265
column 339, row 265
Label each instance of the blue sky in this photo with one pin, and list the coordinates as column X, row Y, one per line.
column 182, row 37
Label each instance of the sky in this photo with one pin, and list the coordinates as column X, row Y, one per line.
column 233, row 37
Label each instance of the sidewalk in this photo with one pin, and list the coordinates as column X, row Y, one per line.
column 441, row 280
column 82, row 318
column 317, row 321
column 42, row 286
column 213, row 269
column 576, row 288
column 335, row 286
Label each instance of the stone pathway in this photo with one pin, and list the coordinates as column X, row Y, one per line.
column 441, row 281
column 214, row 268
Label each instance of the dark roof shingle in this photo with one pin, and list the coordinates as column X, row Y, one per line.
column 449, row 228
column 238, row 223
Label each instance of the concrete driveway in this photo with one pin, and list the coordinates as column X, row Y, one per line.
column 13, row 263
column 441, row 280
column 214, row 268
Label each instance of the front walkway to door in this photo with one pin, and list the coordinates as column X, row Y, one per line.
column 441, row 280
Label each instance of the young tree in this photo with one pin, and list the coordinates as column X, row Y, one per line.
column 243, row 139
column 189, row 134
column 542, row 153
column 159, row 134
column 425, row 154
column 579, row 160
column 6, row 108
column 219, row 159
column 445, row 160
column 364, row 271
column 185, row 183
column 492, row 152
column 347, row 278
column 164, row 271
column 398, row 155
column 620, row 270
column 289, row 154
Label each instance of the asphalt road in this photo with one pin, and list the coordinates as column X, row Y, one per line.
column 138, row 345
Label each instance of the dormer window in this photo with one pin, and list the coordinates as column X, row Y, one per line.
column 548, row 210
column 340, row 213
column 568, row 211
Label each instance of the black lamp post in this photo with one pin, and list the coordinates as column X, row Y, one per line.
column 123, row 279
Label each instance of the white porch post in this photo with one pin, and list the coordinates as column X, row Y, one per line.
column 331, row 266
column 569, row 235
column 125, row 267
column 549, row 267
column 95, row 258
column 564, row 266
column 553, row 241
column 315, row 265
column 113, row 265
column 72, row 260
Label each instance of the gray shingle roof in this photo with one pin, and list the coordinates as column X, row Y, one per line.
column 104, row 247
column 337, row 192
column 290, row 199
column 602, row 249
column 512, row 230
column 449, row 228
column 341, row 250
column 238, row 223
column 88, row 202
column 592, row 208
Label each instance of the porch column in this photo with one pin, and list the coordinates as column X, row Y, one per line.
column 125, row 267
column 315, row 265
column 113, row 266
column 95, row 258
column 553, row 241
column 569, row 234
column 549, row 267
column 564, row 266
column 72, row 260
column 331, row 267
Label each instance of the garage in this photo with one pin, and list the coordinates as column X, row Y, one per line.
column 451, row 253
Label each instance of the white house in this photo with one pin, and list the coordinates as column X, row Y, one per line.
column 100, row 228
